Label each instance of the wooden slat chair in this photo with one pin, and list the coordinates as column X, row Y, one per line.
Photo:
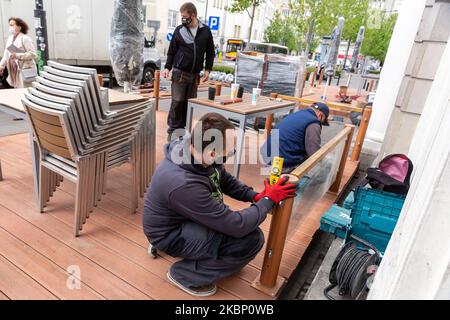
column 122, row 129
column 145, row 157
column 61, row 156
column 52, row 132
column 145, row 147
column 117, row 138
column 114, row 157
column 71, row 70
column 92, row 94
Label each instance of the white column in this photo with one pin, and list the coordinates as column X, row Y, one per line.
column 416, row 264
column 409, row 18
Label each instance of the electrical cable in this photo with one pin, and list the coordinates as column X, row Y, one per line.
column 349, row 270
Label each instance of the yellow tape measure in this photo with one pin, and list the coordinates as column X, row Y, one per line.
column 277, row 168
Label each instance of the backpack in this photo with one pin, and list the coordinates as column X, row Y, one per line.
column 392, row 175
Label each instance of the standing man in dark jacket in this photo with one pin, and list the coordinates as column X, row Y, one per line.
column 191, row 44
column 185, row 216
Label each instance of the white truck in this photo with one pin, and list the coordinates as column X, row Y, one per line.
column 78, row 32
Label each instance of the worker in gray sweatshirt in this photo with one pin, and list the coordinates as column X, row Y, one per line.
column 185, row 215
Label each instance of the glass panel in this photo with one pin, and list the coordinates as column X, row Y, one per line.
column 314, row 186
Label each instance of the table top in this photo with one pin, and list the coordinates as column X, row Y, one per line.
column 11, row 98
column 265, row 104
column 119, row 97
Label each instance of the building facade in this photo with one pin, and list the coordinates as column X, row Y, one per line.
column 231, row 25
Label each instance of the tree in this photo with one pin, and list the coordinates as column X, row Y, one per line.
column 248, row 6
column 281, row 31
column 326, row 14
column 303, row 12
column 376, row 40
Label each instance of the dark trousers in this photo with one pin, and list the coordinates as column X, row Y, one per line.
column 184, row 87
column 208, row 255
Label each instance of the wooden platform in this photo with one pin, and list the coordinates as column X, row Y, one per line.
column 38, row 250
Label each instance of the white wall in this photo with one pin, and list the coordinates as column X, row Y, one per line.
column 416, row 264
column 393, row 71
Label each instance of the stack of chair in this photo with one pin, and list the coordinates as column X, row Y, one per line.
column 80, row 139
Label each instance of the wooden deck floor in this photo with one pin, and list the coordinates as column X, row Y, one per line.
column 37, row 250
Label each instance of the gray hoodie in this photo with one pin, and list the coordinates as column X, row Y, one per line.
column 181, row 192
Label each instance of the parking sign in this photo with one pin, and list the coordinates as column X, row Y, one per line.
column 214, row 23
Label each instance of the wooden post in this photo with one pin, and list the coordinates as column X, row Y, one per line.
column 218, row 90
column 361, row 133
column 101, row 81
column 313, row 80
column 335, row 187
column 303, row 85
column 269, row 281
column 156, row 83
column 269, row 118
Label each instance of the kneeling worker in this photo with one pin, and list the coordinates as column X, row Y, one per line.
column 299, row 136
column 185, row 216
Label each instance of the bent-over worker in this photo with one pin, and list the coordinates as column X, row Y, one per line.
column 299, row 136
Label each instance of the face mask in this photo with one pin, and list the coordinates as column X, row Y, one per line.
column 12, row 30
column 186, row 21
column 223, row 160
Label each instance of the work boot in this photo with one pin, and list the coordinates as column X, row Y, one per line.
column 202, row 291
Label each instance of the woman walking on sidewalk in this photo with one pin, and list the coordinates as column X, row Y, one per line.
column 20, row 55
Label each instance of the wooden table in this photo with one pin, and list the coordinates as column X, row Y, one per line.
column 240, row 112
column 11, row 103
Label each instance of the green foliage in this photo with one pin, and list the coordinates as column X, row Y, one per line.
column 225, row 69
column 238, row 6
column 281, row 31
column 249, row 6
column 326, row 14
column 355, row 13
column 376, row 40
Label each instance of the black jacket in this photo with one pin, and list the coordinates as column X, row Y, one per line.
column 188, row 54
column 181, row 191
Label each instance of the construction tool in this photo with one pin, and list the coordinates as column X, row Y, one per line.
column 277, row 168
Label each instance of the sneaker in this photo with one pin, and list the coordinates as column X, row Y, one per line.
column 203, row 291
column 152, row 251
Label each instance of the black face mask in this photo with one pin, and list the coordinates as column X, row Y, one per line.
column 223, row 160
column 186, row 21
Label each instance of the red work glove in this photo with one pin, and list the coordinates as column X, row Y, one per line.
column 278, row 192
column 259, row 196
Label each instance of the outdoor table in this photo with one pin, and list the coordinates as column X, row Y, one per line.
column 11, row 103
column 240, row 112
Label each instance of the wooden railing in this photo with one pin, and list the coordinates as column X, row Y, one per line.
column 156, row 85
column 269, row 281
column 332, row 105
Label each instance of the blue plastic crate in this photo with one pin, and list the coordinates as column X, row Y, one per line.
column 336, row 221
column 349, row 201
column 375, row 214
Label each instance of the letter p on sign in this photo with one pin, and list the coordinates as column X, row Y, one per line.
column 214, row 23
